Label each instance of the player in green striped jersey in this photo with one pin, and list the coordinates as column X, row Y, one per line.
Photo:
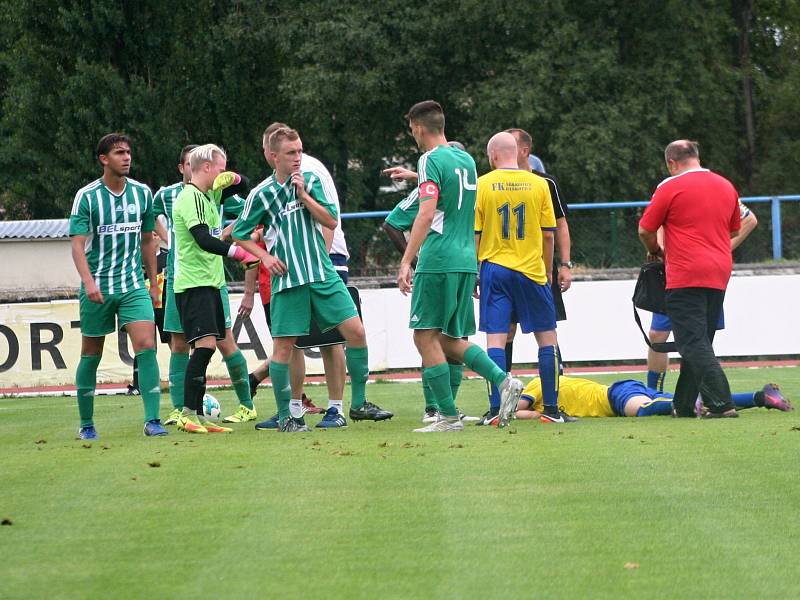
column 230, row 206
column 442, row 309
column 111, row 226
column 304, row 281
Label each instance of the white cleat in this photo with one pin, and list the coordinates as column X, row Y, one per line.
column 443, row 424
column 510, row 391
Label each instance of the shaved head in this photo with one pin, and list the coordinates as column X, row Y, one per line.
column 502, row 150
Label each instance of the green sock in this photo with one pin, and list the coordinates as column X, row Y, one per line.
column 237, row 369
column 477, row 360
column 149, row 383
column 438, row 377
column 279, row 372
column 358, row 366
column 86, row 381
column 430, row 401
column 177, row 373
column 456, row 373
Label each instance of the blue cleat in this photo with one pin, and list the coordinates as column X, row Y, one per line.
column 774, row 399
column 332, row 420
column 271, row 423
column 154, row 428
column 88, row 432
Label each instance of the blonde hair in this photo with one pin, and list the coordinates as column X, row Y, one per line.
column 281, row 133
column 203, row 154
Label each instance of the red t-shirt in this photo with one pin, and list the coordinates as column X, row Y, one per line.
column 698, row 210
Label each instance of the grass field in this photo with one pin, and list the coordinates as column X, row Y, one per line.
column 602, row 508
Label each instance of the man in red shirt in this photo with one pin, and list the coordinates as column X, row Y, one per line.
column 699, row 212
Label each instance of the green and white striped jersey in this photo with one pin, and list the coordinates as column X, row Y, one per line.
column 113, row 226
column 163, row 202
column 298, row 236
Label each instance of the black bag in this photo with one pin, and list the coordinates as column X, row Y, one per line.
column 650, row 295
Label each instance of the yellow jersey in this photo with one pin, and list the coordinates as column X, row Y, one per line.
column 577, row 397
column 512, row 208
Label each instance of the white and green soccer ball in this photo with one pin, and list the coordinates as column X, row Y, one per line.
column 211, row 408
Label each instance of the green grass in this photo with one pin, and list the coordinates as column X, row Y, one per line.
column 602, row 508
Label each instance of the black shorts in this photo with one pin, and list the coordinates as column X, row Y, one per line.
column 268, row 316
column 201, row 313
column 558, row 301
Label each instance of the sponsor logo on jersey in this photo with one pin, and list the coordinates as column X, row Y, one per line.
column 291, row 206
column 215, row 231
column 117, row 228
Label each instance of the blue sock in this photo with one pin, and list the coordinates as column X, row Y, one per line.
column 661, row 406
column 498, row 356
column 747, row 400
column 548, row 371
column 655, row 380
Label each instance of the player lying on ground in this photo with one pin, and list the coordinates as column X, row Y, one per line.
column 580, row 397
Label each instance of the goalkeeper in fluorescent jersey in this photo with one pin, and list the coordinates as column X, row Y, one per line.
column 111, row 227
column 164, row 201
column 200, row 294
column 442, row 309
column 304, row 281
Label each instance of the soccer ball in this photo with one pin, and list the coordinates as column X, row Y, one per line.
column 211, row 407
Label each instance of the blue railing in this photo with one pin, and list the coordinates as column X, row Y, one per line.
column 775, row 201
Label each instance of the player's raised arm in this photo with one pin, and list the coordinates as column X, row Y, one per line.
column 428, row 197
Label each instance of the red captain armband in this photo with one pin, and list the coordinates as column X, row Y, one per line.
column 428, row 190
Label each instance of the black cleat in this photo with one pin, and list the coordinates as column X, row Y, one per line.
column 556, row 416
column 370, row 412
column 726, row 414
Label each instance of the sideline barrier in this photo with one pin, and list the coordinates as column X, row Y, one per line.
column 40, row 342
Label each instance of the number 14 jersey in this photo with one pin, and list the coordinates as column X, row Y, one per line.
column 450, row 245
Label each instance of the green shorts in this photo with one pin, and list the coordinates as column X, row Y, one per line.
column 327, row 302
column 172, row 320
column 443, row 301
column 98, row 320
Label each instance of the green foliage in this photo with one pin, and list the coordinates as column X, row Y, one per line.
column 602, row 85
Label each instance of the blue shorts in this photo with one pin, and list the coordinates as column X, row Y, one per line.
column 507, row 296
column 340, row 264
column 662, row 322
column 622, row 391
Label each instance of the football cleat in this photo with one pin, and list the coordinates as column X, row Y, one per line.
column 190, row 425
column 214, row 428
column 699, row 408
column 556, row 417
column 369, row 412
column 132, row 390
column 431, row 415
column 271, row 423
column 242, row 415
column 293, row 425
column 173, row 417
column 510, row 391
column 441, row 425
column 488, row 419
column 88, row 432
column 774, row 399
column 332, row 420
column 726, row 414
column 309, row 407
column 154, row 429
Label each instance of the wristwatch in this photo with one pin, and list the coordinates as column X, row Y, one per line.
column 569, row 264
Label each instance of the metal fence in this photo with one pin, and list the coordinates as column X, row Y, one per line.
column 604, row 234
